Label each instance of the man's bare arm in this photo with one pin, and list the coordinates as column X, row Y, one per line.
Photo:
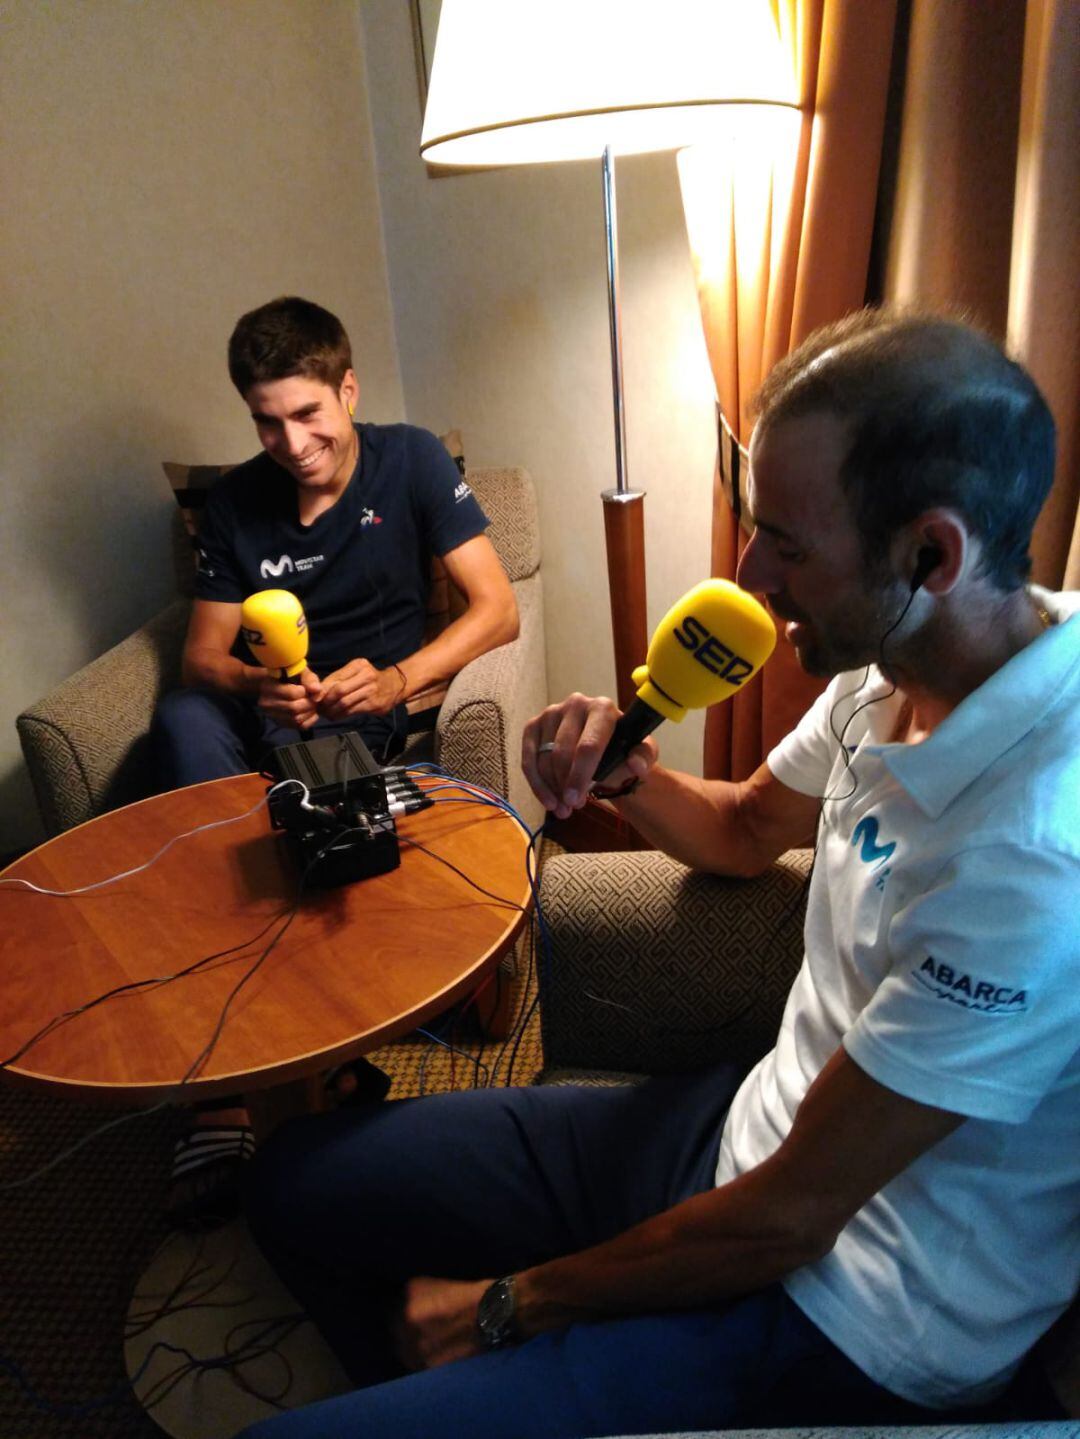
column 735, row 829
column 207, row 663
column 491, row 619
column 850, row 1137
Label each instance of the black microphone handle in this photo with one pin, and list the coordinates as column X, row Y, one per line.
column 630, row 729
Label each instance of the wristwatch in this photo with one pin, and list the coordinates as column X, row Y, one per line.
column 496, row 1320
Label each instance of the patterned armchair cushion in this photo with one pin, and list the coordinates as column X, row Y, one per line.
column 656, row 969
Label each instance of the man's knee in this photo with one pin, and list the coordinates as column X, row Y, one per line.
column 197, row 735
column 181, row 709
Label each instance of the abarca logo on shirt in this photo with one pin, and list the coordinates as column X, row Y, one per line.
column 965, row 989
column 865, row 835
column 462, row 492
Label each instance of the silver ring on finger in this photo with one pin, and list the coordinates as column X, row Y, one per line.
column 546, row 747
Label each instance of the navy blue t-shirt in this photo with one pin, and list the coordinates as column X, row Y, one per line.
column 362, row 569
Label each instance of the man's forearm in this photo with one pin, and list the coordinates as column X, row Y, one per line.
column 711, row 1248
column 696, row 821
column 212, row 669
column 480, row 629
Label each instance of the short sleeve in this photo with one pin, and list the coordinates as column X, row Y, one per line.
column 803, row 759
column 217, row 575
column 447, row 508
column 980, row 1010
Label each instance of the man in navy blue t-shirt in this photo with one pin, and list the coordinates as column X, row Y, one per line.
column 347, row 517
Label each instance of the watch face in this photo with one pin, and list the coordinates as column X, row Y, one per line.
column 495, row 1313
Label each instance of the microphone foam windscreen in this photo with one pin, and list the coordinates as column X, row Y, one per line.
column 273, row 625
column 705, row 648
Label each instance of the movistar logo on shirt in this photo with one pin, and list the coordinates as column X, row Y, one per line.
column 286, row 565
column 274, row 569
column 462, row 492
column 965, row 989
column 865, row 835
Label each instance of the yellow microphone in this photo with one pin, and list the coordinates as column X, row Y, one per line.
column 273, row 625
column 703, row 651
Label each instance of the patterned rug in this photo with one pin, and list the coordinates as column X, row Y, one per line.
column 75, row 1240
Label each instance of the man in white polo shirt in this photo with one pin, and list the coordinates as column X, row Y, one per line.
column 884, row 1215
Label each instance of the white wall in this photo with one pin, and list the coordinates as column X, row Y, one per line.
column 164, row 167
column 500, row 308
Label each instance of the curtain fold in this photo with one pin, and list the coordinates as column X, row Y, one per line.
column 986, row 211
column 980, row 213
column 1044, row 281
column 780, row 224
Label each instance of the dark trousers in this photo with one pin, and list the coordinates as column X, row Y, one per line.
column 198, row 734
column 479, row 1184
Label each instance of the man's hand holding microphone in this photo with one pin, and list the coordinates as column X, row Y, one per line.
column 273, row 626
column 703, row 651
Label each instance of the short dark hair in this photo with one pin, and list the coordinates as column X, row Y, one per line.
column 938, row 415
column 288, row 336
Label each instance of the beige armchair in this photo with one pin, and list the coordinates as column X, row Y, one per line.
column 86, row 743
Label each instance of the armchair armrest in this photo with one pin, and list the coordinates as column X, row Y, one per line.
column 85, row 742
column 478, row 732
column 655, row 968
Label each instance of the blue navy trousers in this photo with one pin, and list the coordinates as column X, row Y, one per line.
column 480, row 1184
column 201, row 734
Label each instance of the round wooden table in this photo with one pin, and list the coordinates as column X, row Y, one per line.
column 356, row 967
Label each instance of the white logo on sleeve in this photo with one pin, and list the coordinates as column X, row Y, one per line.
column 462, row 492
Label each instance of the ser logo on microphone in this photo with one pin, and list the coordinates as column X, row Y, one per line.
column 717, row 658
column 252, row 636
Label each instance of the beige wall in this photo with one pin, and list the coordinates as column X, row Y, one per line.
column 500, row 309
column 165, row 165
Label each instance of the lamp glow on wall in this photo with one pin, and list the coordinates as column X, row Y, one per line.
column 518, row 82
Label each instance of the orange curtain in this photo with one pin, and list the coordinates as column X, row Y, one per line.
column 986, row 206
column 780, row 225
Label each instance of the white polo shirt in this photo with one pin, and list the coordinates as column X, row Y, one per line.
column 943, row 952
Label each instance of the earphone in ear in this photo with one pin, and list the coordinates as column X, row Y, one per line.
column 927, row 560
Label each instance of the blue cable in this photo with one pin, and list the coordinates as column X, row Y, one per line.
column 490, row 798
column 473, row 1059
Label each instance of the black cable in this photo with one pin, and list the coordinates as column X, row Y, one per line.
column 204, row 1054
column 134, row 984
column 876, row 699
column 521, row 1021
column 508, row 903
column 203, row 1057
column 252, row 1349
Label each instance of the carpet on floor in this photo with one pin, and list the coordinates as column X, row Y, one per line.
column 76, row 1239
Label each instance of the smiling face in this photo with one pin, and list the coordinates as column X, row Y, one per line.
column 806, row 555
column 304, row 426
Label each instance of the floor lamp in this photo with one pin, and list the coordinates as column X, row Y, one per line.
column 526, row 81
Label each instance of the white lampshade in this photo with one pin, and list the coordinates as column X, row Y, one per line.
column 521, row 81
